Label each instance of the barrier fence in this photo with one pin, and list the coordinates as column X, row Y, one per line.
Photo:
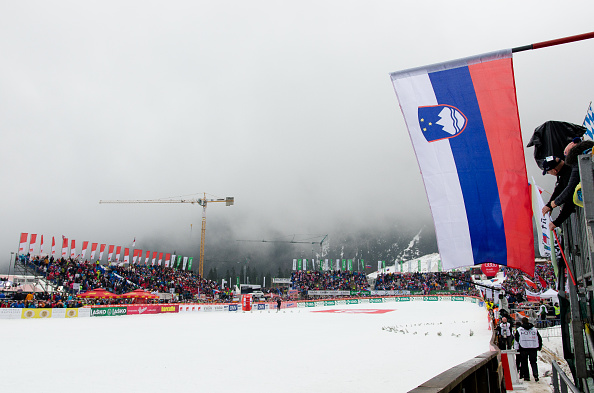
column 138, row 309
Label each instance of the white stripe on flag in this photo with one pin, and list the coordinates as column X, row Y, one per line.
column 443, row 189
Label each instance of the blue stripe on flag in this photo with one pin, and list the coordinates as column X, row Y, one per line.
column 475, row 167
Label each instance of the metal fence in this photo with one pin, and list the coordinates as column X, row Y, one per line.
column 561, row 383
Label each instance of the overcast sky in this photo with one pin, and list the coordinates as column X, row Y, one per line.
column 287, row 106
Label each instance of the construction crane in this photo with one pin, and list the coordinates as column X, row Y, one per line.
column 229, row 201
column 293, row 241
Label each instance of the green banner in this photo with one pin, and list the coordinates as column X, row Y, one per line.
column 310, row 304
column 457, row 298
column 352, row 301
column 439, row 265
column 329, row 303
column 237, row 281
column 344, row 264
column 360, row 293
column 350, row 265
column 384, row 265
column 401, row 262
column 108, row 311
column 419, row 265
column 179, row 259
column 299, row 265
column 430, row 299
column 376, row 300
column 321, row 265
column 190, row 263
column 402, row 299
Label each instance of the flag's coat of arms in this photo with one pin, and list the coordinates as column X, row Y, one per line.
column 471, row 158
column 441, row 122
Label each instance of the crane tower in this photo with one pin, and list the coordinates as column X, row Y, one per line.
column 229, row 201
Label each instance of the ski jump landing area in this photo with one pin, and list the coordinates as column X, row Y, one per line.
column 388, row 346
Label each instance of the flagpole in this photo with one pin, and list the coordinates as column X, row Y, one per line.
column 558, row 41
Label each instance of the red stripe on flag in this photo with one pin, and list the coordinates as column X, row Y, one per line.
column 495, row 92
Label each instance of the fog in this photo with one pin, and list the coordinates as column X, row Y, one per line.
column 288, row 107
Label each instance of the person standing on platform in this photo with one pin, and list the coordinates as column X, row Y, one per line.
column 529, row 341
column 278, row 304
column 504, row 335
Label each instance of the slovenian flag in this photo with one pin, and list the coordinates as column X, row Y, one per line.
column 463, row 122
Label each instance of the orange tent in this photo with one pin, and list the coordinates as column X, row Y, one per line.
column 97, row 293
column 139, row 294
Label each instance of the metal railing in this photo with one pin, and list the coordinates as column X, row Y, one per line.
column 561, row 382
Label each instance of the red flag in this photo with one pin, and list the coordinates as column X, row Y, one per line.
column 110, row 253
column 529, row 282
column 64, row 246
column 23, row 242
column 41, row 246
column 72, row 249
column 32, row 243
column 154, row 258
column 84, row 250
column 139, row 256
column 148, row 255
column 167, row 259
column 93, row 250
column 53, row 246
column 118, row 252
column 543, row 282
column 126, row 255
column 160, row 258
column 101, row 251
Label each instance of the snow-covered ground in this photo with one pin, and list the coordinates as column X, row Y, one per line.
column 350, row 348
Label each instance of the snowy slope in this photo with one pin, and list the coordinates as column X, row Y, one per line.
column 368, row 347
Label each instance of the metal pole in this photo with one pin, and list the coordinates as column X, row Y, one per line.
column 558, row 41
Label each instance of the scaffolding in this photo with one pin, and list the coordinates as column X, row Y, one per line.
column 576, row 285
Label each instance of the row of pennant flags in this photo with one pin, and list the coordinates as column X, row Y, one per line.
column 27, row 244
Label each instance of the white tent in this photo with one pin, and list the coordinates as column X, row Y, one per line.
column 550, row 294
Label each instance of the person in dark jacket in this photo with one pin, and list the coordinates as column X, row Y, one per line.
column 565, row 195
column 556, row 166
column 529, row 342
column 504, row 334
column 278, row 304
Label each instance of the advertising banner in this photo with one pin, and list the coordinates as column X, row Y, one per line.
column 28, row 313
column 430, row 298
column 108, row 311
column 153, row 309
